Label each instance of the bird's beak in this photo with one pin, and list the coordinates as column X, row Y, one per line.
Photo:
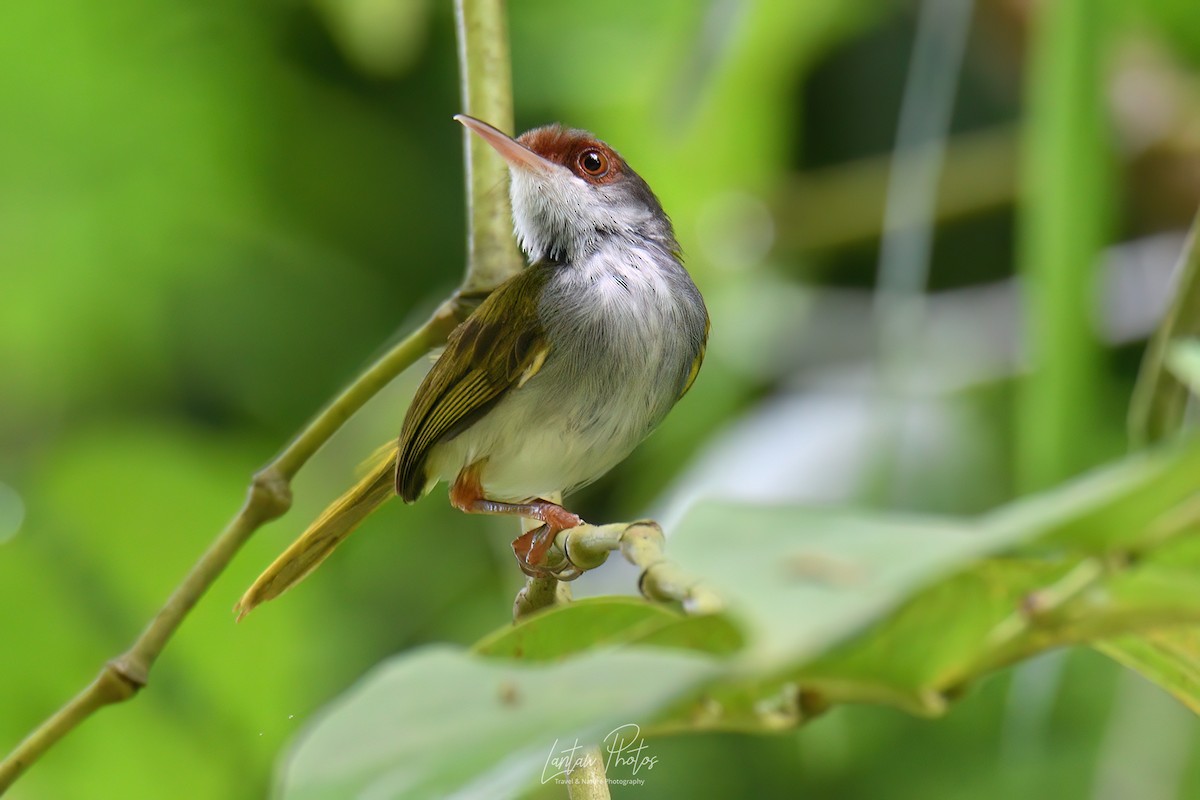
column 516, row 154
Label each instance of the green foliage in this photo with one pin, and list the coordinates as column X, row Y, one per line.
column 1170, row 658
column 829, row 608
column 214, row 212
column 605, row 621
column 1065, row 221
column 1177, row 22
column 393, row 735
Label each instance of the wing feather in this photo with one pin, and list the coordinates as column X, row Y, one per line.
column 698, row 360
column 496, row 349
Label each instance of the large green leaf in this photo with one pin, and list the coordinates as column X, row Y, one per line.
column 440, row 720
column 802, row 579
column 920, row 657
column 931, row 645
column 824, row 607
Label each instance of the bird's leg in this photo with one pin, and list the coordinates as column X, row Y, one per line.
column 530, row 548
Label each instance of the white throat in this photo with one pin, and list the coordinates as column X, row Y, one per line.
column 560, row 218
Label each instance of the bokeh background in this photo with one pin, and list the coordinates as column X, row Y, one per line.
column 212, row 214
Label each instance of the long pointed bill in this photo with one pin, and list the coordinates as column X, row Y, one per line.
column 516, row 154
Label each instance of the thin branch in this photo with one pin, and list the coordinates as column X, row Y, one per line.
column 1159, row 398
column 486, row 66
column 578, row 550
column 539, row 593
column 492, row 258
column 269, row 497
column 588, row 781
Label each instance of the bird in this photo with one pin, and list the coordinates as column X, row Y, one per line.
column 558, row 374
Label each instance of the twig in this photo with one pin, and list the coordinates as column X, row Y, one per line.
column 1011, row 636
column 578, row 550
column 539, row 593
column 486, row 67
column 1159, row 398
column 492, row 258
column 269, row 497
column 588, row 781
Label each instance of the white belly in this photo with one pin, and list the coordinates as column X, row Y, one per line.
column 622, row 344
column 534, row 449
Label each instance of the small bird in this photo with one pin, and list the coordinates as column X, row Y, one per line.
column 558, row 374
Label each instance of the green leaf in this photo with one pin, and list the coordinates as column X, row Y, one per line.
column 825, row 607
column 932, row 643
column 439, row 720
column 712, row 633
column 1000, row 611
column 913, row 659
column 1169, row 658
column 801, row 580
column 954, row 631
column 1125, row 505
column 598, row 622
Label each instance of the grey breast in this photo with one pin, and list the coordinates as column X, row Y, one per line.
column 624, row 334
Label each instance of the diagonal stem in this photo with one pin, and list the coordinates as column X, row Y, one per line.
column 491, row 259
column 589, row 781
column 269, row 497
column 1159, row 398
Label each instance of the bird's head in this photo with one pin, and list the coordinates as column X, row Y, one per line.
column 572, row 194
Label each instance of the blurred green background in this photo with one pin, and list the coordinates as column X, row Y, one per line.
column 213, row 214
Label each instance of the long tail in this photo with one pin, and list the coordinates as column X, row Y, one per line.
column 327, row 532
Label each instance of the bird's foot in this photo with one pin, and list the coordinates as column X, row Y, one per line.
column 532, row 547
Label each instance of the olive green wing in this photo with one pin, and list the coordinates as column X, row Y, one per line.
column 697, row 361
column 499, row 347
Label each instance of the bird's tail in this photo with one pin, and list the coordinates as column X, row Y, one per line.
column 327, row 532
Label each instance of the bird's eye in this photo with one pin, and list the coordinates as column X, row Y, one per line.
column 593, row 162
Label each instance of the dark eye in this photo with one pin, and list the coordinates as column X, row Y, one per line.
column 593, row 162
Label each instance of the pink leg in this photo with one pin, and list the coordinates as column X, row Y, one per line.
column 530, row 548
